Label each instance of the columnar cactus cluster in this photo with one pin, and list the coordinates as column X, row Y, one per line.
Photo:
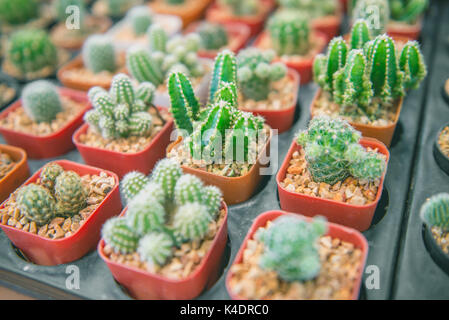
column 18, row 11
column 164, row 56
column 289, row 32
column 313, row 8
column 333, row 152
column 256, row 72
column 213, row 36
column 291, row 247
column 31, row 50
column 241, row 7
column 121, row 112
column 408, row 11
column 140, row 18
column 435, row 211
column 57, row 193
column 41, row 101
column 99, row 54
column 167, row 209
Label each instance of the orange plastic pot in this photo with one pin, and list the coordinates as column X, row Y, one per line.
column 147, row 286
column 405, row 31
column 122, row 163
column 301, row 64
column 48, row 146
column 49, row 252
column 334, row 231
column 219, row 14
column 238, row 36
column 329, row 25
column 189, row 11
column 19, row 173
column 353, row 216
column 381, row 133
column 235, row 189
column 281, row 120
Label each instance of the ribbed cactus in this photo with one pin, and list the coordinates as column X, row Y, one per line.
column 155, row 248
column 212, row 197
column 407, row 11
column 213, row 35
column 435, row 211
column 41, row 101
column 132, row 183
column 143, row 67
column 99, row 54
column 330, row 153
column 241, row 7
column 36, row 203
column 291, row 247
column 16, row 12
column 145, row 214
column 289, row 32
column 189, row 188
column 140, row 18
column 31, row 50
column 224, row 72
column 375, row 12
column 119, row 236
column 312, row 8
column 49, row 174
column 191, row 221
column 256, row 72
column 360, row 34
column 157, row 37
column 166, row 173
column 411, row 62
column 70, row 193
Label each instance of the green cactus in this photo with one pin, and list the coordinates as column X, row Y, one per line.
column 17, row 12
column 256, row 72
column 213, row 36
column 36, row 203
column 411, row 63
column 70, row 193
column 31, row 50
column 157, row 37
column 241, row 7
column 175, row 2
column 435, row 211
column 360, row 34
column 166, row 173
column 291, row 247
column 225, row 71
column 375, row 12
column 188, row 188
column 41, row 101
column 132, row 183
column 140, row 18
column 49, row 174
column 155, row 248
column 212, row 198
column 191, row 221
column 117, row 8
column 119, row 236
column 143, row 67
column 408, row 11
column 99, row 54
column 313, row 9
column 154, row 190
column 145, row 214
column 289, row 32
column 331, row 155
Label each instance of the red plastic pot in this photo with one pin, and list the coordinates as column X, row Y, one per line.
column 147, row 286
column 302, row 65
column 52, row 145
column 48, row 252
column 329, row 25
column 354, row 216
column 122, row 163
column 238, row 35
column 14, row 178
column 281, row 120
column 334, row 230
column 405, row 31
column 217, row 13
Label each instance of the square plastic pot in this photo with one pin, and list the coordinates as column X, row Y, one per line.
column 121, row 163
column 51, row 145
column 329, row 25
column 354, row 216
column 20, row 172
column 381, row 133
column 218, row 14
column 281, row 120
column 189, row 11
column 235, row 189
column 334, row 230
column 143, row 285
column 49, row 252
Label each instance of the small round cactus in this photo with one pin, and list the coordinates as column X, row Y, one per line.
column 145, row 214
column 119, row 236
column 41, row 101
column 213, row 36
column 212, row 197
column 70, row 193
column 140, row 18
column 16, row 12
column 155, row 248
column 191, row 221
column 166, row 173
column 132, row 183
column 435, row 211
column 36, row 203
column 189, row 188
column 99, row 54
column 49, row 174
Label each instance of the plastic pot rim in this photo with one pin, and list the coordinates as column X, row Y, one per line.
column 5, row 148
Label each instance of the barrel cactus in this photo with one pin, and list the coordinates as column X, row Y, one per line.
column 191, row 221
column 49, row 174
column 241, row 7
column 375, row 12
column 408, row 11
column 70, row 193
column 16, row 12
column 140, row 18
column 99, row 54
column 120, row 237
column 155, row 248
column 41, row 101
column 36, row 203
column 132, row 183
column 435, row 211
column 213, row 36
column 189, row 188
column 145, row 214
column 166, row 173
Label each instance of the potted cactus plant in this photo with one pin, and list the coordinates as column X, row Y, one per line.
column 215, row 37
column 288, row 34
column 252, row 13
column 163, row 56
column 97, row 64
column 267, row 89
column 367, row 86
column 330, row 171
column 43, row 120
column 30, row 54
column 291, row 257
column 168, row 242
column 113, row 8
column 13, row 169
column 55, row 217
column 18, row 14
column 187, row 10
column 125, row 130
column 224, row 146
column 73, row 39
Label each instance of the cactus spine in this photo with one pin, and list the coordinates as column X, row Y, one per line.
column 191, row 221
column 41, row 101
column 213, row 36
column 36, row 203
column 155, row 248
column 411, row 62
column 132, row 183
column 435, row 211
column 99, row 54
column 70, row 193
column 145, row 214
column 49, row 174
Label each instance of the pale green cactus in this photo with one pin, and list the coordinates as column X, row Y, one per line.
column 189, row 188
column 145, row 214
column 99, row 54
column 121, row 238
column 41, row 101
column 49, row 174
column 213, row 36
column 166, row 173
column 435, row 211
column 191, row 221
column 70, row 193
column 132, row 183
column 155, row 248
column 36, row 203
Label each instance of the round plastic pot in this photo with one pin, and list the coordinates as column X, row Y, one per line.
column 238, row 34
column 48, row 146
column 143, row 285
column 438, row 255
column 302, row 65
column 403, row 30
column 12, row 83
column 441, row 159
column 281, row 120
column 189, row 11
column 353, row 216
column 381, row 133
column 122, row 163
column 49, row 252
column 235, row 189
column 329, row 25
column 19, row 173
column 334, row 231
column 218, row 14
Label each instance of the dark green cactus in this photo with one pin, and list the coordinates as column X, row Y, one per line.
column 435, row 211
column 313, row 9
column 41, row 101
column 191, row 221
column 119, row 236
column 36, row 203
column 49, row 174
column 408, row 11
column 143, row 67
column 213, row 36
column 360, row 34
column 411, row 62
column 16, row 12
column 70, row 193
